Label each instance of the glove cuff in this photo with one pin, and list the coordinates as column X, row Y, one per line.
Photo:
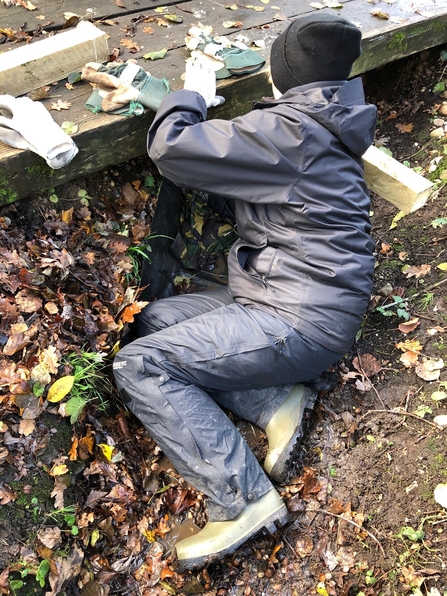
column 152, row 92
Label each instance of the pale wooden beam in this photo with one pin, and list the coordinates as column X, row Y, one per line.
column 393, row 181
column 33, row 65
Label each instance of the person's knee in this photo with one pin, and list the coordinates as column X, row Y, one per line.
column 154, row 317
column 127, row 366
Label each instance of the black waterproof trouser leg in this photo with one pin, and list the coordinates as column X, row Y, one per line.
column 202, row 348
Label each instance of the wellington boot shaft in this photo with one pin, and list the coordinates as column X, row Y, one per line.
column 285, row 430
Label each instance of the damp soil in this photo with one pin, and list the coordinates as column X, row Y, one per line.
column 363, row 516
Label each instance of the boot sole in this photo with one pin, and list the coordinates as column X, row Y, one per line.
column 271, row 524
column 290, row 451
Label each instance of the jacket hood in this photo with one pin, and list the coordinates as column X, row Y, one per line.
column 339, row 106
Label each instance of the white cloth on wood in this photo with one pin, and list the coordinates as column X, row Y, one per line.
column 27, row 124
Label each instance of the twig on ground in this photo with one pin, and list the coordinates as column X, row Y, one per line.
column 425, row 290
column 359, row 358
column 402, row 414
column 354, row 524
column 288, row 544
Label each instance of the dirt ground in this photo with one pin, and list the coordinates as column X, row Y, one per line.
column 88, row 504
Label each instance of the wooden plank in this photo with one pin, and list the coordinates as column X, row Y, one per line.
column 113, row 146
column 31, row 66
column 394, row 182
column 52, row 11
column 120, row 138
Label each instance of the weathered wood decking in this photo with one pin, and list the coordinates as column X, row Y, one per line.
column 105, row 139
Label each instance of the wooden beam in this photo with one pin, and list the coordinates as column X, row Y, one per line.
column 393, row 181
column 48, row 60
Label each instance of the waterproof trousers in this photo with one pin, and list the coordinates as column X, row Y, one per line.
column 197, row 353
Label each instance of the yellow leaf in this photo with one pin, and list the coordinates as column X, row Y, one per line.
column 397, row 218
column 442, row 266
column 107, row 450
column 60, row 388
column 59, row 470
column 149, row 535
column 321, row 589
column 115, row 350
column 411, row 345
column 95, row 536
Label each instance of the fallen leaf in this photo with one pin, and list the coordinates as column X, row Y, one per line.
column 409, row 326
column 58, row 470
column 396, row 219
column 119, row 4
column 69, row 127
column 38, row 94
column 173, row 18
column 411, row 345
column 404, row 127
column 50, row 537
column 26, row 427
column 25, row 3
column 130, row 311
column 119, row 245
column 256, row 8
column 60, row 105
column 304, row 546
column 156, row 55
column 380, row 13
column 28, row 301
column 64, row 569
column 232, row 24
column 232, row 6
column 363, row 385
column 130, row 45
column 409, row 359
column 6, row 494
column 438, row 395
column 107, row 450
column 442, row 266
column 60, row 388
column 16, row 342
column 416, row 271
column 367, row 364
column 429, row 369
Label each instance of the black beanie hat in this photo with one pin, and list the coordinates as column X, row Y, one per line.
column 320, row 46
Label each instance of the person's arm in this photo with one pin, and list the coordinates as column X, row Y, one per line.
column 235, row 158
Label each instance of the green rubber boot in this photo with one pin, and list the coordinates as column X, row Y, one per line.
column 285, row 430
column 218, row 539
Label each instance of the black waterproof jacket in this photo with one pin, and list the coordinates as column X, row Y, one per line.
column 302, row 210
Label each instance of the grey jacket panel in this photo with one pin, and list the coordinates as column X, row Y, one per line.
column 302, row 215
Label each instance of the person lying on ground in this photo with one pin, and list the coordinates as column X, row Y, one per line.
column 300, row 276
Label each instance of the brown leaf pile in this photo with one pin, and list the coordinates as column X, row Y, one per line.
column 68, row 289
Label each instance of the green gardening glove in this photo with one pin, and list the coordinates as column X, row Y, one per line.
column 124, row 89
column 236, row 57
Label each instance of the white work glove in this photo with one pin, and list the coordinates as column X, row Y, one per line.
column 26, row 124
column 201, row 78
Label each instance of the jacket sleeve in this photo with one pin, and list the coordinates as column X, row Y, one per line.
column 234, row 158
